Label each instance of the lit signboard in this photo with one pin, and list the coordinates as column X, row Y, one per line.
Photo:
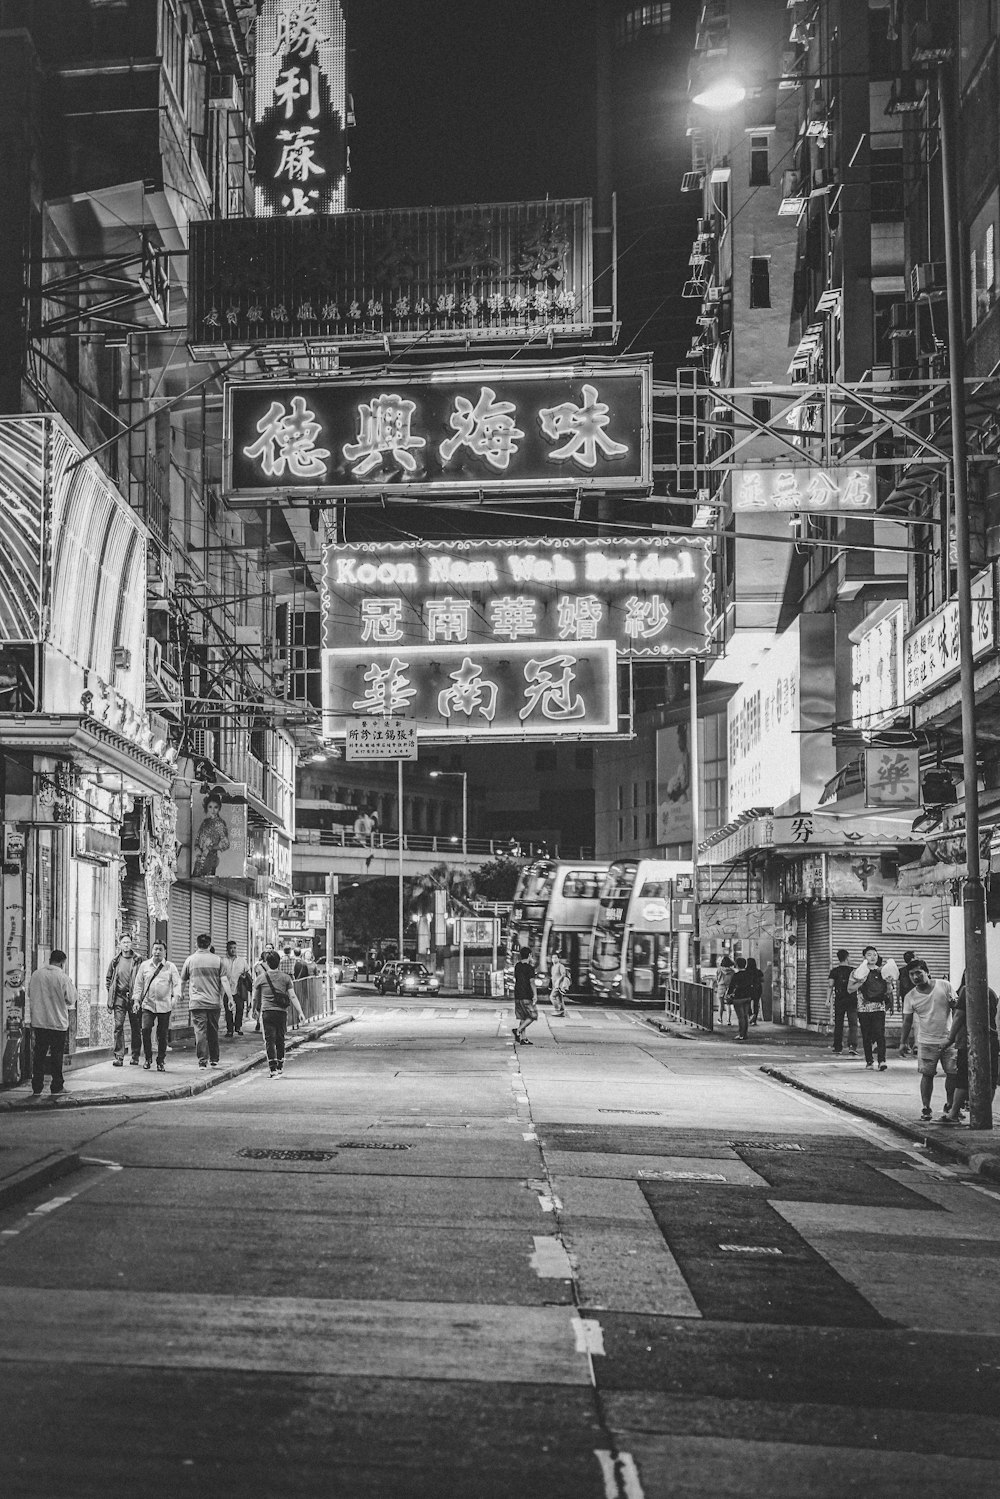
column 649, row 595
column 582, row 427
column 469, row 273
column 877, row 667
column 468, row 692
column 807, row 487
column 300, row 90
column 932, row 653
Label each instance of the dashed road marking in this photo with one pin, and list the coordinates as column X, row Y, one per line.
column 589, row 1335
column 550, row 1260
column 768, row 1249
column 621, row 1477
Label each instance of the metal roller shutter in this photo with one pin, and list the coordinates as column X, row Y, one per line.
column 220, row 923
column 857, row 922
column 136, row 911
column 179, row 945
column 820, row 963
column 201, row 914
column 239, row 928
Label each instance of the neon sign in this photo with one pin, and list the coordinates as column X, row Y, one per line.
column 547, row 427
column 301, row 108
column 460, row 691
column 650, row 595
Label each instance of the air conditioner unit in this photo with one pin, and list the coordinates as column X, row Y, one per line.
column 792, row 194
column 931, row 36
column 692, row 182
column 901, row 321
column 223, row 91
column 927, row 282
column 201, row 744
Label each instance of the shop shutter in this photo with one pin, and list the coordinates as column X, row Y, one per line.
column 136, row 911
column 201, row 914
column 220, row 923
column 239, row 932
column 802, row 951
column 820, row 962
column 179, row 931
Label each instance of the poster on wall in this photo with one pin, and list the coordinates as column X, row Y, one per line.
column 673, row 785
column 212, row 833
column 915, row 916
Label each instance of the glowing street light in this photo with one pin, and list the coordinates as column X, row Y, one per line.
column 721, row 94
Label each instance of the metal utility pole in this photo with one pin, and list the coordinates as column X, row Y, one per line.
column 695, row 810
column 399, row 803
column 973, row 902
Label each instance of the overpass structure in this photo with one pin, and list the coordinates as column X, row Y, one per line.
column 341, row 852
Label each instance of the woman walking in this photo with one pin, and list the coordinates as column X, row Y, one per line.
column 756, row 989
column 723, row 978
column 274, row 995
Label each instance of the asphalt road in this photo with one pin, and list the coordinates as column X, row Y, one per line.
column 423, row 1262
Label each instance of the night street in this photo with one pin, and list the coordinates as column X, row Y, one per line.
column 424, row 1262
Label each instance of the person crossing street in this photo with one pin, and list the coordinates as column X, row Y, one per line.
column 559, row 979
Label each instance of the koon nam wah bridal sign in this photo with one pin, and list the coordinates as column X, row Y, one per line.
column 543, row 427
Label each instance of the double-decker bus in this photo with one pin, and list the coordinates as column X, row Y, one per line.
column 632, row 947
column 553, row 912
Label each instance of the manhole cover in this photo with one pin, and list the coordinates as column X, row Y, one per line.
column 656, row 1112
column 255, row 1153
column 370, row 1145
column 763, row 1145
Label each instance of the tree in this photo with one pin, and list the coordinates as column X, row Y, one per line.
column 368, row 914
column 457, row 885
column 497, row 880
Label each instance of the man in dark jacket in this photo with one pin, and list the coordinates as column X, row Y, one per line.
column 120, row 982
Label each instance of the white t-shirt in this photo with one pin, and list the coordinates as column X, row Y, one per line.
column 931, row 1011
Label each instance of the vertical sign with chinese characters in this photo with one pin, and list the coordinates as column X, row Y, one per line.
column 301, row 106
column 933, row 651
column 892, row 778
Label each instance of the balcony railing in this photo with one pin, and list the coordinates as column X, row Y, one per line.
column 437, row 843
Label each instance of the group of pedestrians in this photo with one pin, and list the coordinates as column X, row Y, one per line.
column 142, row 995
column 525, row 991
column 934, row 1025
column 739, row 987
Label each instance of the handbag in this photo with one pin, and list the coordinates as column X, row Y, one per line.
column 281, row 1000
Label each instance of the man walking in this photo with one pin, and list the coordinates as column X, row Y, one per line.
column 929, row 1002
column 240, row 985
column 559, row 979
column 120, row 982
column 157, row 989
column 870, row 983
column 206, row 987
column 50, row 999
column 844, row 1004
column 740, row 996
column 525, row 1008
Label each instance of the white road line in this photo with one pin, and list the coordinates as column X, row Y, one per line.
column 95, row 1160
column 621, row 1478
column 550, row 1260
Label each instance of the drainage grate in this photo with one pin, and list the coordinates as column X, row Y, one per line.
column 656, row 1112
column 370, row 1145
column 763, row 1145
column 256, row 1153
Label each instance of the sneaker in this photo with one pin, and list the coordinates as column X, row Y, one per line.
column 273, row 1072
column 118, row 1062
column 202, row 1064
column 214, row 1064
column 925, row 1113
column 134, row 1062
column 237, row 1033
column 160, row 1067
column 869, row 1065
column 517, row 1036
column 883, row 1066
column 146, row 1066
column 853, row 1050
column 281, row 1066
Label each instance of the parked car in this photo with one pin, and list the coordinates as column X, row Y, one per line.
column 345, row 970
column 406, row 978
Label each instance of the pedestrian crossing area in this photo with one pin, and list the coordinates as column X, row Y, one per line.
column 589, row 1019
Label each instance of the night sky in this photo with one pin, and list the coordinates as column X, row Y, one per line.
column 463, row 101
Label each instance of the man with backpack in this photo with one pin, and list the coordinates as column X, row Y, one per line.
column 874, row 990
column 844, row 1003
column 274, row 995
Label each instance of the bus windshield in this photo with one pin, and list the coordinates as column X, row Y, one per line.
column 527, row 915
column 609, row 928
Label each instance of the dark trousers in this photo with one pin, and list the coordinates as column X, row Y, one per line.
column 846, row 1005
column 742, row 1008
column 206, row 1031
column 234, row 1017
column 274, row 1037
column 123, row 1013
column 162, row 1024
column 873, row 1033
column 49, row 1044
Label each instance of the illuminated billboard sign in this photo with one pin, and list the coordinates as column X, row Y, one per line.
column 807, row 487
column 521, row 690
column 300, row 79
column 550, row 426
column 649, row 595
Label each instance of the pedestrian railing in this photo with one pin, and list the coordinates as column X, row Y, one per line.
column 345, row 837
column 693, row 1003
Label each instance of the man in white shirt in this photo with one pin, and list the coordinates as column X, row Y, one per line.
column 157, row 989
column 51, row 997
column 235, row 969
column 929, row 1002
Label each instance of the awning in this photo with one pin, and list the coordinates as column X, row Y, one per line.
column 90, row 745
column 805, row 833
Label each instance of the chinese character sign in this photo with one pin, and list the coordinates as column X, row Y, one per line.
column 650, row 595
column 932, row 652
column 300, row 107
column 378, row 738
column 468, row 692
column 892, row 778
column 553, row 427
column 804, row 488
column 914, row 916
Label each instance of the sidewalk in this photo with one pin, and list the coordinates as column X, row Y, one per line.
column 103, row 1083
column 892, row 1098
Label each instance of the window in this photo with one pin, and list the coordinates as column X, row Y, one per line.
column 650, row 792
column 635, row 793
column 888, row 196
column 635, row 830
column 650, row 826
column 642, row 20
column 621, row 797
column 712, row 756
column 760, row 161
column 761, row 407
column 173, row 46
column 621, row 830
column 983, row 261
column 760, row 281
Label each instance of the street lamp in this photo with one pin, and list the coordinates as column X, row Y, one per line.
column 725, row 92
column 435, row 774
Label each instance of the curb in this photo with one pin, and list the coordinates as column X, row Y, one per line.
column 658, row 1025
column 983, row 1164
column 39, row 1174
column 47, row 1104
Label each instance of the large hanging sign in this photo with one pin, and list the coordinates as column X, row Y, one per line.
column 300, row 89
column 498, row 429
column 474, row 272
column 648, row 595
column 806, row 487
column 933, row 651
column 468, row 692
